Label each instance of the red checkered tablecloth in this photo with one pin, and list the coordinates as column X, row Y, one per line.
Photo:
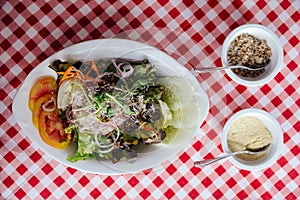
column 193, row 33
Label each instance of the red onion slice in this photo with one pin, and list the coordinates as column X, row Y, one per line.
column 47, row 103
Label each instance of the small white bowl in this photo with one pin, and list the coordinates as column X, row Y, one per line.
column 275, row 149
column 260, row 32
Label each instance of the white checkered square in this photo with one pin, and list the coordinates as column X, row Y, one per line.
column 292, row 185
column 260, row 15
column 122, row 23
column 209, row 38
column 16, row 70
column 236, row 14
column 278, row 196
column 197, row 25
column 161, row 12
column 71, row 181
column 34, row 168
column 31, row 32
column 71, row 21
column 20, row 180
column 33, row 8
column 108, row 193
column 57, row 33
column 46, row 180
column 294, row 161
column 43, row 45
column 145, row 182
column 284, row 16
column 291, row 78
column 7, row 194
column 205, row 194
column 211, row 14
column 59, row 9
column 19, row 20
column 273, row 4
column 223, row 26
column 83, row 193
column 2, row 108
column 293, row 53
column 6, row 31
column 111, row 10
column 7, row 7
column 33, row 193
column 183, row 169
column 173, row 25
column 249, row 4
column 194, row 181
column 218, row 182
column 4, row 57
column 232, row 171
column 147, row 23
column 45, row 21
column 85, row 10
column 181, row 194
column 82, row 34
column 58, row 193
column 229, row 194
column 8, row 169
column 159, row 36
column 157, row 193
column 170, row 181
column 133, row 194
column 123, row 1
column 186, row 13
column 29, row 57
column 200, row 4
column 296, row 5
column 254, row 195
column 18, row 45
column 136, row 11
column 96, row 180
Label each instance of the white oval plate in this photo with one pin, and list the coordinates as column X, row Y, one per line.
column 275, row 149
column 112, row 48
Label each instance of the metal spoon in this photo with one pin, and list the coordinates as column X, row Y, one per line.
column 203, row 163
column 210, row 69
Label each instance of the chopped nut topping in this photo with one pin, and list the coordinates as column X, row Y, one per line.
column 249, row 51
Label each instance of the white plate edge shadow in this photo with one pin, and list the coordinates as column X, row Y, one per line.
column 21, row 110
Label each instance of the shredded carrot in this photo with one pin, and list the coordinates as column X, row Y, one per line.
column 71, row 72
column 94, row 67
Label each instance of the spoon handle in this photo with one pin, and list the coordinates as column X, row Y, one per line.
column 210, row 69
column 203, row 163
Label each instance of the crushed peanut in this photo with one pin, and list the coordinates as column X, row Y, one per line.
column 249, row 51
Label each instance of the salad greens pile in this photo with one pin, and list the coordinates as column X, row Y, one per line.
column 113, row 105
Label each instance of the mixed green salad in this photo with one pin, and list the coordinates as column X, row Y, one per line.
column 111, row 106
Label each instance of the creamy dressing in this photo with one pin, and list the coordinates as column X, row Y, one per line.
column 248, row 133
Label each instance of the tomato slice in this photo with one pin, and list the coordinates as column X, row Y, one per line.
column 45, row 85
column 37, row 107
column 51, row 129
